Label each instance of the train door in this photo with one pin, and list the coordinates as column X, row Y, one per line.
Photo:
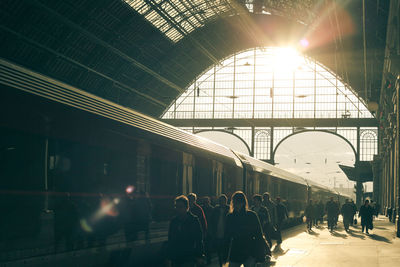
column 142, row 167
column 217, row 177
column 249, row 183
column 256, row 185
column 187, row 173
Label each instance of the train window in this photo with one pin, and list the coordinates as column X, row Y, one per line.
column 77, row 167
column 22, row 160
column 187, row 175
column 22, row 183
column 218, row 169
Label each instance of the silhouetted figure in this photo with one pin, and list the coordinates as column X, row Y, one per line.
column 208, row 211
column 185, row 237
column 337, row 213
column 353, row 205
column 216, row 226
column 195, row 209
column 270, row 229
column 66, row 222
column 366, row 213
column 263, row 216
column 142, row 213
column 320, row 212
column 245, row 242
column 309, row 212
column 332, row 210
column 347, row 213
column 281, row 215
column 127, row 208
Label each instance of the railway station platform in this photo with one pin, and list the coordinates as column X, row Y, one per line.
column 320, row 248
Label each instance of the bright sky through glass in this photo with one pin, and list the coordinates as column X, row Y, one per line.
column 269, row 82
column 277, row 82
column 316, row 155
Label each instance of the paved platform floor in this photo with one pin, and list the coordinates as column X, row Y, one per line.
column 320, row 248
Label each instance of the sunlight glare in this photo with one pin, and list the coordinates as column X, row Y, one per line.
column 285, row 59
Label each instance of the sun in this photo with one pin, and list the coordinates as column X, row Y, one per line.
column 285, row 59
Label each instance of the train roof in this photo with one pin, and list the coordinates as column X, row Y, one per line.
column 319, row 186
column 266, row 168
column 31, row 82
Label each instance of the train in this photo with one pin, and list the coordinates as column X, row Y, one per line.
column 69, row 160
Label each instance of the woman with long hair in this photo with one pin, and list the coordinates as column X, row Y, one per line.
column 244, row 237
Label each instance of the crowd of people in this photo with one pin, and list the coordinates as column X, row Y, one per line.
column 316, row 212
column 240, row 234
column 236, row 233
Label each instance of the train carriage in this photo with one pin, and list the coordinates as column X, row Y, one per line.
column 69, row 158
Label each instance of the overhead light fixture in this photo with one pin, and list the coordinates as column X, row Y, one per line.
column 246, row 64
column 232, row 96
column 301, row 96
column 230, row 128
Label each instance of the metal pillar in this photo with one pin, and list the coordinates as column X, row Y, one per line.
column 359, row 186
column 397, row 151
column 271, row 148
column 253, row 136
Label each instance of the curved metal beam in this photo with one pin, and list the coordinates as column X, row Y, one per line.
column 223, row 131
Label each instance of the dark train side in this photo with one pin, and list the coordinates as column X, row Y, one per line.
column 68, row 159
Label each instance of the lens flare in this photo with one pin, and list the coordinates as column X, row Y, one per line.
column 304, row 43
column 129, row 189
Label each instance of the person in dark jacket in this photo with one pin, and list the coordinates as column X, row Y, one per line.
column 281, row 215
column 185, row 237
column 263, row 216
column 208, row 210
column 198, row 211
column 216, row 226
column 353, row 205
column 366, row 213
column 310, row 212
column 271, row 207
column 320, row 212
column 243, row 234
column 347, row 213
column 332, row 210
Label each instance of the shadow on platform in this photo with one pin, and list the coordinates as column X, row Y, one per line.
column 381, row 228
column 354, row 234
column 311, row 232
column 380, row 238
column 334, row 233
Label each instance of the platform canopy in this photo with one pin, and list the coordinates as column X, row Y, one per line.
column 144, row 53
column 362, row 171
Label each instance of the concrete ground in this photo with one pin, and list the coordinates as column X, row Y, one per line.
column 340, row 249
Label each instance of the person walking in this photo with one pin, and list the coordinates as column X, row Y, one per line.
column 185, row 237
column 208, row 211
column 366, row 213
column 198, row 211
column 244, row 238
column 353, row 205
column 320, row 212
column 347, row 213
column 331, row 210
column 309, row 212
column 270, row 228
column 217, row 226
column 281, row 216
column 263, row 216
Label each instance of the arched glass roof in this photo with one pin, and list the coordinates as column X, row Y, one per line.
column 178, row 18
column 268, row 82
